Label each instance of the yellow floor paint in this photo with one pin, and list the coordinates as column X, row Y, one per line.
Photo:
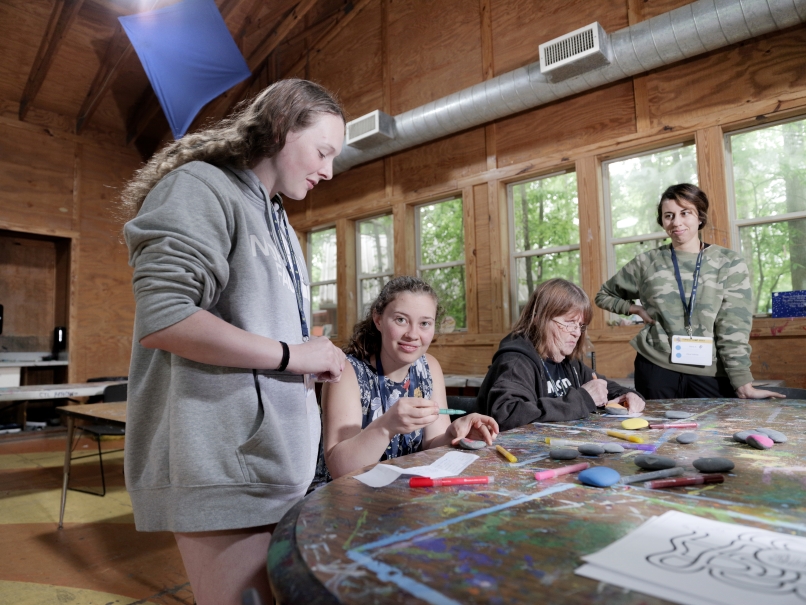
column 26, row 593
column 43, row 507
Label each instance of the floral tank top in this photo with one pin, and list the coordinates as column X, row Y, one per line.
column 373, row 405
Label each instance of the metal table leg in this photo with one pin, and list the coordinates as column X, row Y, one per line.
column 67, row 451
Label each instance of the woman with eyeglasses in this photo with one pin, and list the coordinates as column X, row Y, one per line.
column 537, row 374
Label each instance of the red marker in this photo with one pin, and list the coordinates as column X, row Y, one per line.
column 679, row 425
column 680, row 481
column 426, row 482
column 563, row 470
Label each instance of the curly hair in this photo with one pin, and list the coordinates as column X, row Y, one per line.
column 257, row 129
column 366, row 339
column 551, row 299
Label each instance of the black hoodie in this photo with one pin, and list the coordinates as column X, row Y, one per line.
column 515, row 390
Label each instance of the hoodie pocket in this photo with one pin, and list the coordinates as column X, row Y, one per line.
column 278, row 452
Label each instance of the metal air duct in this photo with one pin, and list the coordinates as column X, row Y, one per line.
column 682, row 33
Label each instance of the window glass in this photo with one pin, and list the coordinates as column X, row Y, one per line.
column 322, row 255
column 375, row 252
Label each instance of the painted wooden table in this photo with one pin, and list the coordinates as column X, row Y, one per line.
column 112, row 414
column 517, row 540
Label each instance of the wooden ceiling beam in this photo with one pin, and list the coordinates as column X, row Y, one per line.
column 148, row 105
column 61, row 18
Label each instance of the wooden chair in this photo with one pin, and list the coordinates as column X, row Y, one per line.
column 115, row 392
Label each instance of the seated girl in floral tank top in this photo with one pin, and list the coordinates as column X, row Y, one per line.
column 386, row 403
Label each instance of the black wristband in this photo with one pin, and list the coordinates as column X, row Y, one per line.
column 284, row 360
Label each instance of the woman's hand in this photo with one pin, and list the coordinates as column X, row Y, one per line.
column 409, row 414
column 748, row 391
column 473, row 426
column 318, row 356
column 641, row 312
column 631, row 401
column 597, row 389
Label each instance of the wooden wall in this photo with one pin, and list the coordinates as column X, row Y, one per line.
column 398, row 54
column 61, row 188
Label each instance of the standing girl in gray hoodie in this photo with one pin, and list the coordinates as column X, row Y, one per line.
column 223, row 426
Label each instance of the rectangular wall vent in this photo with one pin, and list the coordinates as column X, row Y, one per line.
column 582, row 50
column 370, row 130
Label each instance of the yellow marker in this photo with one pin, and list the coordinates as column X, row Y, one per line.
column 561, row 442
column 506, row 454
column 632, row 438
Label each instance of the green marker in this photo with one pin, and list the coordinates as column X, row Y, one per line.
column 456, row 412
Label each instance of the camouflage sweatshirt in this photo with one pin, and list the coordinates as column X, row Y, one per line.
column 722, row 309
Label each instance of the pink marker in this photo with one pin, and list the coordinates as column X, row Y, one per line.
column 563, row 470
column 426, row 482
column 679, row 425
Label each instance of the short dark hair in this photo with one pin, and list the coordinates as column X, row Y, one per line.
column 551, row 299
column 686, row 192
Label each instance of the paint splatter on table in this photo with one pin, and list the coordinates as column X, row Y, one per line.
column 517, row 540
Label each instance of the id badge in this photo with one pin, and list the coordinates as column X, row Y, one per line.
column 692, row 350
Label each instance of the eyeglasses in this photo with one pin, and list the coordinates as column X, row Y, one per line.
column 571, row 327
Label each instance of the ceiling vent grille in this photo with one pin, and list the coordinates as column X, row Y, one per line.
column 580, row 51
column 370, row 130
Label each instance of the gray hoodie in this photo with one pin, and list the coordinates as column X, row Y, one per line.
column 209, row 447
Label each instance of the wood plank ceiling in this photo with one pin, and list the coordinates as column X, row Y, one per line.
column 68, row 65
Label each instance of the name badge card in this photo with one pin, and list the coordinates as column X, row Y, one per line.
column 692, row 350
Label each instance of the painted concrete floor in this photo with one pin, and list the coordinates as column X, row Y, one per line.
column 98, row 558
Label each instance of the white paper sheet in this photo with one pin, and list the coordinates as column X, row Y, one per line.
column 696, row 561
column 450, row 465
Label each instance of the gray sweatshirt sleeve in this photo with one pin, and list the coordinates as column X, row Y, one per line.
column 178, row 246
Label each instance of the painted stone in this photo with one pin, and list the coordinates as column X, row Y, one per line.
column 563, row 453
column 687, row 438
column 617, row 410
column 713, row 465
column 471, row 444
column 776, row 436
column 742, row 436
column 632, row 424
column 612, row 448
column 760, row 442
column 591, row 449
column 599, row 476
column 651, row 462
column 678, row 415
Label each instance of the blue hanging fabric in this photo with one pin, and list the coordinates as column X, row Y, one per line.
column 189, row 56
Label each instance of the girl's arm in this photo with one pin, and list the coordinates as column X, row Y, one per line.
column 443, row 432
column 205, row 338
column 347, row 446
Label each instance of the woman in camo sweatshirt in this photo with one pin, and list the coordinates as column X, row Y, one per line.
column 694, row 344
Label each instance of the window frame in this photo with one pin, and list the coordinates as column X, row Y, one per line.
column 736, row 223
column 359, row 277
column 418, row 249
column 609, row 241
column 313, row 284
column 514, row 255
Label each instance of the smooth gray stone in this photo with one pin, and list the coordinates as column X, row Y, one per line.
column 651, row 462
column 742, row 436
column 713, row 465
column 687, row 437
column 678, row 415
column 471, row 444
column 617, row 411
column 751, row 440
column 591, row 449
column 776, row 436
column 667, row 472
column 563, row 453
column 613, row 448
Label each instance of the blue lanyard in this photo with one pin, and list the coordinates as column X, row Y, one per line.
column 292, row 268
column 688, row 308
column 382, row 382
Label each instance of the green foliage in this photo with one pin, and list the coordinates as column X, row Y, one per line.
column 376, row 237
column 323, row 255
column 449, row 284
column 769, row 179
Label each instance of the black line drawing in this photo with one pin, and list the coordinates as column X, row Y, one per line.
column 752, row 561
